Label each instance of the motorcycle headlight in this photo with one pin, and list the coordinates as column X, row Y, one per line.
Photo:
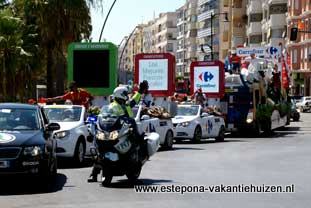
column 250, row 117
column 100, row 135
column 62, row 134
column 32, row 151
column 184, row 124
column 113, row 135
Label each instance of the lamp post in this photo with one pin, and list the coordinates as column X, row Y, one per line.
column 211, row 42
column 125, row 45
column 101, row 33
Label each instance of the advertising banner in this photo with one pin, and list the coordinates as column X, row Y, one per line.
column 209, row 76
column 159, row 70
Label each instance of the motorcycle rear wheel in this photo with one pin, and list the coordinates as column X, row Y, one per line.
column 134, row 175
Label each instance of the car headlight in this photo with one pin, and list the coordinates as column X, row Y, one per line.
column 100, row 135
column 62, row 134
column 32, row 151
column 184, row 124
column 250, row 117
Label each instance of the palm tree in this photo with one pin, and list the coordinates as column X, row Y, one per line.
column 60, row 22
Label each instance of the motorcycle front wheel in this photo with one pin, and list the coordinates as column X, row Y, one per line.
column 133, row 175
column 106, row 180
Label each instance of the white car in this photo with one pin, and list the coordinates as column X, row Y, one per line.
column 72, row 136
column 304, row 104
column 192, row 123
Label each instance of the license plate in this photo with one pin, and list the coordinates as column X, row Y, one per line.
column 123, row 146
column 111, row 156
column 4, row 164
column 230, row 126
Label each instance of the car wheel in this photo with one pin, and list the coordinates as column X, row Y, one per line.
column 169, row 140
column 79, row 152
column 197, row 136
column 221, row 135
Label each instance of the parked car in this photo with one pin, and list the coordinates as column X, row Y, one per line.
column 27, row 145
column 72, row 135
column 305, row 104
column 191, row 122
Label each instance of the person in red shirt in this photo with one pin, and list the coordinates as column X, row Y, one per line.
column 77, row 96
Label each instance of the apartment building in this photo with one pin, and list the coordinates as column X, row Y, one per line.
column 254, row 28
column 165, row 27
column 274, row 24
column 238, row 21
column 186, row 37
column 213, row 29
column 299, row 15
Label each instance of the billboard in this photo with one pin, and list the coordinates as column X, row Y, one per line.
column 159, row 70
column 93, row 66
column 209, row 76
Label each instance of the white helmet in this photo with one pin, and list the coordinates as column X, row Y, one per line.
column 121, row 93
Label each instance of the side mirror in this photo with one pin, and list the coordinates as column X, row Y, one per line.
column 53, row 127
column 145, row 117
column 204, row 115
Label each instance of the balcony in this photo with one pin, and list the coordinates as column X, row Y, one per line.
column 201, row 2
column 180, row 35
column 277, row 2
column 254, row 28
column 206, row 15
column 277, row 21
column 204, row 32
column 276, row 41
column 254, row 7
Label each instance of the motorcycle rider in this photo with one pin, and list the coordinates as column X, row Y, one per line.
column 122, row 106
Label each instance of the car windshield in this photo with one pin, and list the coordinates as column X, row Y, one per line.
column 18, row 119
column 187, row 110
column 68, row 114
column 233, row 81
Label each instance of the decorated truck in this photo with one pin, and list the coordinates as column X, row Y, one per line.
column 255, row 103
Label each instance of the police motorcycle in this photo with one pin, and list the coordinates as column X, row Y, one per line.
column 118, row 151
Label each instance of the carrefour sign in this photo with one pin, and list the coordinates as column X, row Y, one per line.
column 259, row 51
column 209, row 76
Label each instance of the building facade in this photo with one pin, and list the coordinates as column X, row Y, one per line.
column 213, row 29
column 254, row 27
column 299, row 15
column 238, row 21
column 186, row 37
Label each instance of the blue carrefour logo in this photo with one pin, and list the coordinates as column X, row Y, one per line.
column 206, row 76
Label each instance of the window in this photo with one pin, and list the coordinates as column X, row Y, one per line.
column 306, row 53
column 255, row 17
column 277, row 33
column 296, row 4
column 226, row 3
column 255, row 39
column 294, row 56
column 278, row 8
column 237, row 3
column 170, row 47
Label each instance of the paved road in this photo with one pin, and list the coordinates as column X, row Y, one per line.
column 281, row 160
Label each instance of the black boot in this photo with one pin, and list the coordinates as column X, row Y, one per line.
column 92, row 178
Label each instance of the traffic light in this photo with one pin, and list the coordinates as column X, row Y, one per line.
column 293, row 34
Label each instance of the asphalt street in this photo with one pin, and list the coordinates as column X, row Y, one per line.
column 282, row 159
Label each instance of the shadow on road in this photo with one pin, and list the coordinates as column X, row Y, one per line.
column 209, row 141
column 147, row 182
column 64, row 163
column 26, row 185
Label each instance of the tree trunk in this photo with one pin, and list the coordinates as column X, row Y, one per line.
column 49, row 72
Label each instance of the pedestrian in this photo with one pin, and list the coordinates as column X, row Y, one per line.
column 77, row 96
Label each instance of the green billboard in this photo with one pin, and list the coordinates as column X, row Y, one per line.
column 93, row 66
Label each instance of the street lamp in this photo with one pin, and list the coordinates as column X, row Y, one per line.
column 101, row 33
column 211, row 44
column 125, row 45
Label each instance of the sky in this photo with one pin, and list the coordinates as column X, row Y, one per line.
column 126, row 14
